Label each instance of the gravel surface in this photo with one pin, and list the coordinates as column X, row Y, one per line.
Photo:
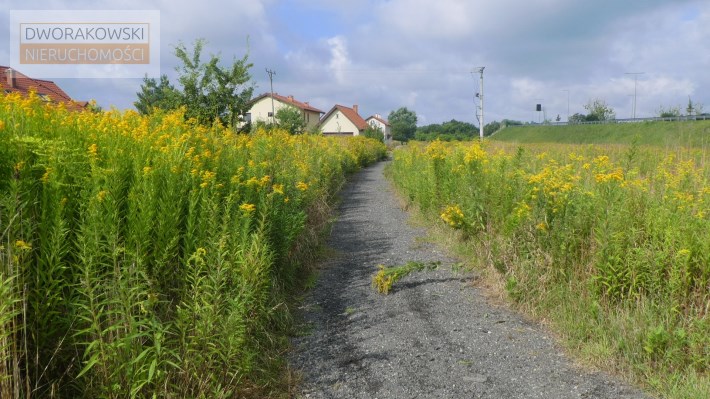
column 433, row 336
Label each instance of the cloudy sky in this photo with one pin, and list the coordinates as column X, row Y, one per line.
column 386, row 54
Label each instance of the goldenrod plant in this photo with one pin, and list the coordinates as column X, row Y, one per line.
column 611, row 243
column 150, row 256
column 385, row 277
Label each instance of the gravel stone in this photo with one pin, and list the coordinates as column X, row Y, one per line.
column 433, row 336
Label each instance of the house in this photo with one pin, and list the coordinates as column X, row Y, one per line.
column 378, row 122
column 13, row 81
column 343, row 121
column 261, row 109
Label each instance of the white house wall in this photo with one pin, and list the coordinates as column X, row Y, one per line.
column 261, row 109
column 337, row 123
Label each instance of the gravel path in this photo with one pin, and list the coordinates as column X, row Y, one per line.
column 433, row 336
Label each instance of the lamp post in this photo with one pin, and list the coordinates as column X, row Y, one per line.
column 636, row 74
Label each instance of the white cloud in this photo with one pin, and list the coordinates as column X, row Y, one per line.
column 339, row 60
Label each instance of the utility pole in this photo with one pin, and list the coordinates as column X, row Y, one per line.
column 636, row 74
column 271, row 81
column 480, row 98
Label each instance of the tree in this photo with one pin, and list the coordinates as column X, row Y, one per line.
column 403, row 123
column 447, row 131
column 671, row 112
column 291, row 119
column 599, row 111
column 491, row 128
column 156, row 95
column 374, row 132
column 577, row 118
column 209, row 92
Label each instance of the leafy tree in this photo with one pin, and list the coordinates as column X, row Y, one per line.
column 209, row 92
column 291, row 119
column 693, row 108
column 447, row 131
column 599, row 111
column 374, row 132
column 577, row 118
column 403, row 123
column 491, row 128
column 156, row 95
column 671, row 112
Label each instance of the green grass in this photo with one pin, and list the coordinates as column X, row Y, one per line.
column 663, row 134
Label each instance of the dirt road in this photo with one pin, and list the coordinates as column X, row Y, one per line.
column 433, row 336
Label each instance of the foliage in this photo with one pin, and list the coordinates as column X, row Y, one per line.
column 577, row 118
column 290, row 119
column 157, row 95
column 670, row 112
column 491, row 128
column 209, row 92
column 403, row 123
column 151, row 256
column 447, row 131
column 385, row 277
column 599, row 111
column 609, row 243
column 374, row 132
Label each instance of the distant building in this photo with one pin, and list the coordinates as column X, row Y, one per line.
column 380, row 123
column 342, row 121
column 261, row 108
column 13, row 81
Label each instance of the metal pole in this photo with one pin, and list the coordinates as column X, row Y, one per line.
column 480, row 97
column 482, row 123
column 636, row 74
column 567, row 90
column 271, row 81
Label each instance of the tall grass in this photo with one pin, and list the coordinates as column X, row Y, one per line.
column 609, row 243
column 149, row 256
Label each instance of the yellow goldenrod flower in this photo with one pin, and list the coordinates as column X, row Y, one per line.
column 302, row 186
column 247, row 207
column 22, row 245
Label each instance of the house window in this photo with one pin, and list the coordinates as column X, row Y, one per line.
column 271, row 114
column 247, row 117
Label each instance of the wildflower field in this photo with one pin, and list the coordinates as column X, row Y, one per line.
column 151, row 256
column 610, row 244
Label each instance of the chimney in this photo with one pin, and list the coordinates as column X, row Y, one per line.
column 11, row 78
column 290, row 98
column 355, row 108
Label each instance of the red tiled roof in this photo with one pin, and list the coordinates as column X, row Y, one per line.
column 376, row 117
column 350, row 114
column 290, row 100
column 44, row 88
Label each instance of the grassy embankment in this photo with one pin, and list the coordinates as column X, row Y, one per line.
column 153, row 257
column 609, row 244
column 660, row 134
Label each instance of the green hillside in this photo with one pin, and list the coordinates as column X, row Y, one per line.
column 666, row 134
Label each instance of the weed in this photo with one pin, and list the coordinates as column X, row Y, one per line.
column 383, row 280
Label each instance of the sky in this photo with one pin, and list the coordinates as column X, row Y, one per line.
column 423, row 54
